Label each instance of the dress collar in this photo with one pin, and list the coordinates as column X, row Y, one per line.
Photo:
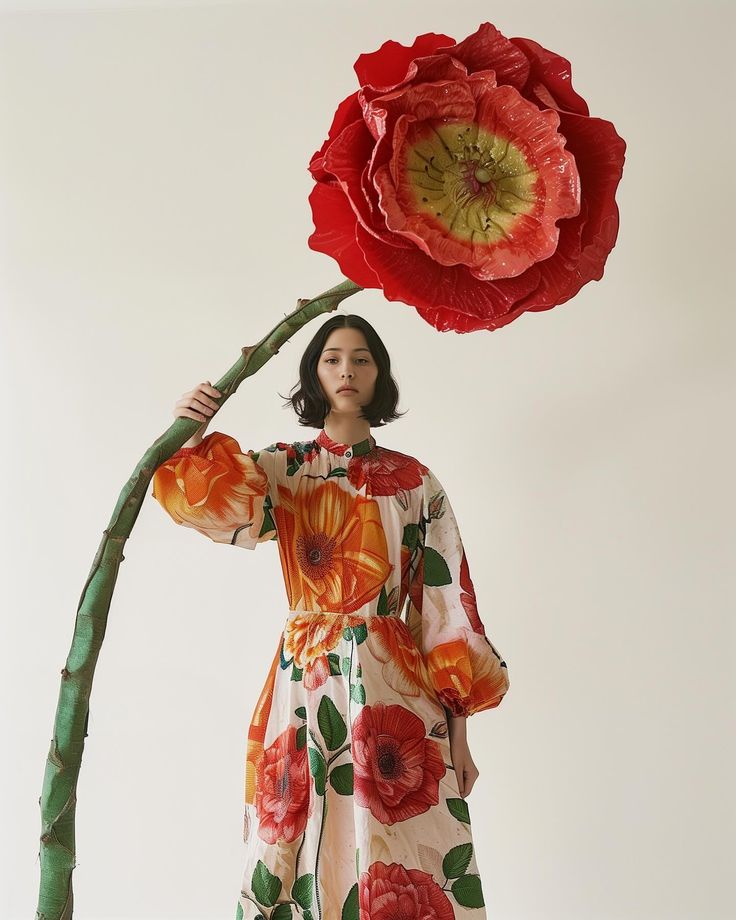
column 350, row 450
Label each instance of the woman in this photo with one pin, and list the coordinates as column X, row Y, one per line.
column 357, row 761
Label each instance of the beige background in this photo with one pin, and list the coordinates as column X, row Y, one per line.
column 153, row 219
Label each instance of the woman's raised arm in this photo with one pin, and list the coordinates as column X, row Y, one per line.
column 213, row 486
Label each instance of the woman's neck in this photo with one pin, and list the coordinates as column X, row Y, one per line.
column 348, row 430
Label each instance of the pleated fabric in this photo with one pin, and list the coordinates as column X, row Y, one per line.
column 352, row 807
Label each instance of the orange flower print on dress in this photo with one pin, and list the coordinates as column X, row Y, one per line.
column 397, row 769
column 283, row 789
column 333, row 547
column 403, row 666
column 467, row 671
column 257, row 728
column 214, row 488
column 466, row 675
column 308, row 639
column 386, row 892
column 403, row 587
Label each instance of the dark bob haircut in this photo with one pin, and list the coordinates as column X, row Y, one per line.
column 309, row 401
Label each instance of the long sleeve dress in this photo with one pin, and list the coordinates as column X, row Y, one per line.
column 352, row 807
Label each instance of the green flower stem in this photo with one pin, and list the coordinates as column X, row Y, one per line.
column 298, row 854
column 59, row 794
column 350, row 686
column 316, row 858
column 317, row 745
column 345, row 747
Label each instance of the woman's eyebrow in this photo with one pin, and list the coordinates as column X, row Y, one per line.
column 340, row 349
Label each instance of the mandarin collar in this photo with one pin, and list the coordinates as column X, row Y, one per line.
column 348, row 450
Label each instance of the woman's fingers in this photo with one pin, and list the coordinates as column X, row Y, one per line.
column 200, row 393
column 470, row 776
column 466, row 773
column 189, row 413
column 201, row 404
column 197, row 404
column 210, row 389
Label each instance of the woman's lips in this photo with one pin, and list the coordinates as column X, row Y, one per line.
column 347, row 390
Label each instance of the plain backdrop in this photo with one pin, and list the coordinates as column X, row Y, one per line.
column 153, row 220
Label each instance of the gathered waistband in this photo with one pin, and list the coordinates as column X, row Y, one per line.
column 291, row 614
column 310, row 625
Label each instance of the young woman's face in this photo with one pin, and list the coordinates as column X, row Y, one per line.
column 346, row 360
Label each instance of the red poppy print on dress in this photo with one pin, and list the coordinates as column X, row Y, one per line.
column 389, row 892
column 397, row 768
column 283, row 789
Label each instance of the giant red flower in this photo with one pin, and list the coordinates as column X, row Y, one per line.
column 467, row 180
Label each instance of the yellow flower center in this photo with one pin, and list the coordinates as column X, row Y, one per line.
column 477, row 182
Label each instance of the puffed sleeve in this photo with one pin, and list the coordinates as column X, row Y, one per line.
column 219, row 490
column 465, row 668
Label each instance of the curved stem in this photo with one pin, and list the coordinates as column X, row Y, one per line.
column 59, row 793
column 345, row 747
column 316, row 860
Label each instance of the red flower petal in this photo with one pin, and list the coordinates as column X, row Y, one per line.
column 585, row 241
column 334, row 233
column 550, row 78
column 345, row 160
column 348, row 110
column 488, row 49
column 431, row 69
column 389, row 64
column 448, row 297
column 450, row 98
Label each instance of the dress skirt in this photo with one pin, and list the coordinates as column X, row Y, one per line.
column 352, row 804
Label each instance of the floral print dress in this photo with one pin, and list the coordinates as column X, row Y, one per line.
column 352, row 807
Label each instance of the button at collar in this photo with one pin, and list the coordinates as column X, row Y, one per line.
column 345, row 450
